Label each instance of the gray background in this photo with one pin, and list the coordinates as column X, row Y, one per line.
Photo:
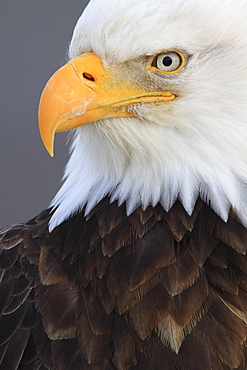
column 34, row 37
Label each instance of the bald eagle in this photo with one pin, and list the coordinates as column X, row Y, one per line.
column 140, row 261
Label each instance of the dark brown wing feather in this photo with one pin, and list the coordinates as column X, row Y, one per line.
column 155, row 290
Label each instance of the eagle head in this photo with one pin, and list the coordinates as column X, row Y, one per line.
column 156, row 95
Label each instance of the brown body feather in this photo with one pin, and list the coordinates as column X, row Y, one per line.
column 154, row 290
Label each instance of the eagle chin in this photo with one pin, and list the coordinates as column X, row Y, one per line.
column 140, row 261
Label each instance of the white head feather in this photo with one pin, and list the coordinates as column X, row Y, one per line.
column 193, row 146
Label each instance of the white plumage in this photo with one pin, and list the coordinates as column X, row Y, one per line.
column 194, row 145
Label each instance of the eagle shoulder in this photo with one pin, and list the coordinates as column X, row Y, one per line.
column 111, row 291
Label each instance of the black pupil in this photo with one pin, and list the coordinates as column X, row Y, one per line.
column 167, row 61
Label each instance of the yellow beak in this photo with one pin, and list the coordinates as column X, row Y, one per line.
column 81, row 92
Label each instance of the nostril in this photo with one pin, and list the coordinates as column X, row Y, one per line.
column 87, row 76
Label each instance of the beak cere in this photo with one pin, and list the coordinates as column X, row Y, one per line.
column 80, row 92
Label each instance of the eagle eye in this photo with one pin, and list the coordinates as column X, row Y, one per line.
column 168, row 62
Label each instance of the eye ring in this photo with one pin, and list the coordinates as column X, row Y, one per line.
column 168, row 62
